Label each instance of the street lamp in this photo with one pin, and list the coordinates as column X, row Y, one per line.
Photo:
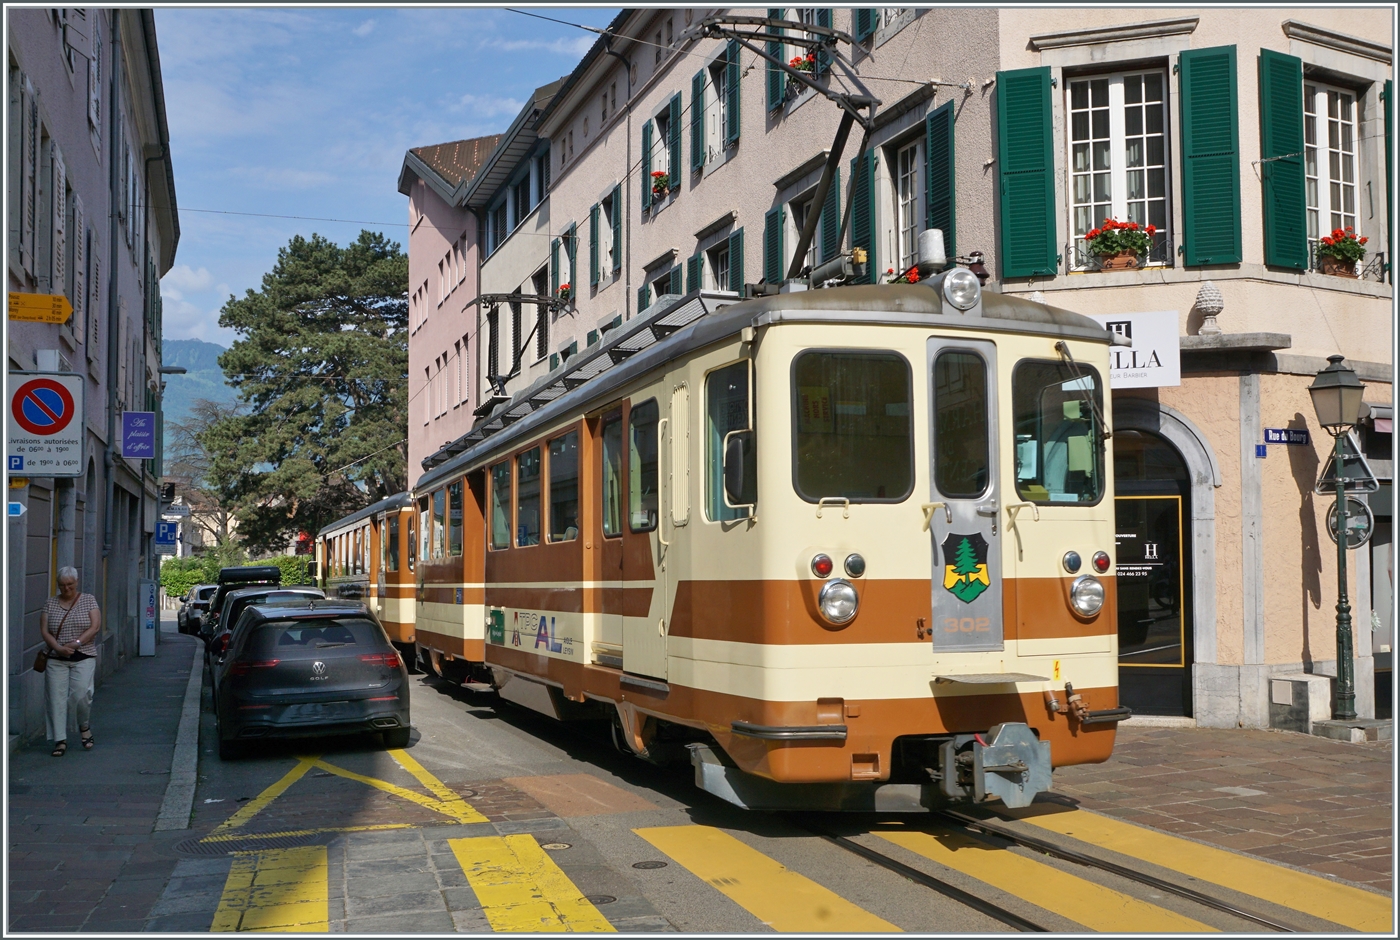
column 1336, row 397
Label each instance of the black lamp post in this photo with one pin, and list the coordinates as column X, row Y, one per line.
column 1336, row 397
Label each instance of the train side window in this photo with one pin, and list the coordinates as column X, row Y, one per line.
column 391, row 543
column 563, row 488
column 726, row 409
column 961, row 449
column 642, row 475
column 364, row 548
column 425, row 527
column 439, row 522
column 454, row 518
column 500, row 505
column 411, row 541
column 1059, row 443
column 527, row 500
column 612, row 475
column 355, row 566
column 853, row 433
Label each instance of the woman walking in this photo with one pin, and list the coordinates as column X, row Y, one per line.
column 69, row 624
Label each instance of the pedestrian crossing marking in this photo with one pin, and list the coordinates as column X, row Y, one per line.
column 1311, row 894
column 1077, row 899
column 276, row 891
column 456, row 808
column 780, row 897
column 263, row 799
column 522, row 890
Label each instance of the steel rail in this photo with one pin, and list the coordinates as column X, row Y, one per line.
column 1070, row 855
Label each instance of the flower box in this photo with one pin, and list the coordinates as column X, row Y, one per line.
column 1120, row 245
column 1338, row 253
column 660, row 183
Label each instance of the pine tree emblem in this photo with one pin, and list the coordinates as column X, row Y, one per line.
column 965, row 566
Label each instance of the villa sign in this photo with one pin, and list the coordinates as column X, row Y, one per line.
column 1154, row 358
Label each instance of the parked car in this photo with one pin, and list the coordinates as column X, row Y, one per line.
column 235, row 602
column 319, row 668
column 194, row 605
column 234, row 579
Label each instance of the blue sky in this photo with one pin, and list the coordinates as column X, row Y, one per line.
column 308, row 112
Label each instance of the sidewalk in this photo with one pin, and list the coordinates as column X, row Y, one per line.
column 1300, row 800
column 83, row 854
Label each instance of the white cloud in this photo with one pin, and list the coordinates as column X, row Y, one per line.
column 575, row 47
column 184, row 278
column 184, row 320
column 487, row 106
column 364, row 29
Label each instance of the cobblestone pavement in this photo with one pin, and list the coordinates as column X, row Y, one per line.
column 1305, row 801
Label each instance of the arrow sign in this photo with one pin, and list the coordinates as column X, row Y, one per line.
column 17, row 510
column 40, row 308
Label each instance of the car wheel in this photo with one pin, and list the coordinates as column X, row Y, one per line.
column 397, row 738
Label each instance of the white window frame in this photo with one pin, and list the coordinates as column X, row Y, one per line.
column 606, row 211
column 797, row 209
column 1322, row 215
column 907, row 187
column 1118, row 208
column 716, row 110
column 717, row 262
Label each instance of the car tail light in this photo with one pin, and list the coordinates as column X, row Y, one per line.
column 1101, row 562
column 244, row 666
column 822, row 566
column 384, row 659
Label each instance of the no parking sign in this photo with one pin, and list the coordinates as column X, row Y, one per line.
column 44, row 424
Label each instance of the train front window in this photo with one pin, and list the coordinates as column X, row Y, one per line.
column 612, row 475
column 500, row 505
column 1059, row 440
column 454, row 518
column 527, row 510
column 563, row 488
column 642, row 467
column 961, row 450
column 392, row 542
column 853, row 434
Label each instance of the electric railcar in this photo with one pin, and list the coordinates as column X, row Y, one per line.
column 369, row 556
column 851, row 548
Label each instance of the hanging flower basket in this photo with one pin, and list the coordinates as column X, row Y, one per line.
column 660, row 183
column 1338, row 253
column 565, row 292
column 1120, row 245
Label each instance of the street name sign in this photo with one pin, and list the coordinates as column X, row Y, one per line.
column 1293, row 437
column 139, row 435
column 39, row 308
column 44, row 424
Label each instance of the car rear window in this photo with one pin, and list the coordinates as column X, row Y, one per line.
column 286, row 636
column 205, row 593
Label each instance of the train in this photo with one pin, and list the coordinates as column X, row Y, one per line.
column 843, row 549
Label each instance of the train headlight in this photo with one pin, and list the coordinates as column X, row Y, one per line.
column 1086, row 595
column 961, row 288
column 838, row 601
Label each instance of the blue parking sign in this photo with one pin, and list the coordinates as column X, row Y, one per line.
column 167, row 533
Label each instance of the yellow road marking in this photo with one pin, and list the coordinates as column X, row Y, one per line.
column 277, row 891
column 781, row 898
column 1311, row 894
column 522, row 890
column 457, row 809
column 260, row 802
column 461, row 808
column 238, row 837
column 1083, row 902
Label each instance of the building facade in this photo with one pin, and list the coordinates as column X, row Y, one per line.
column 678, row 162
column 92, row 216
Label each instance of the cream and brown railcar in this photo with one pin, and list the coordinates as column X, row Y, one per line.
column 853, row 546
column 370, row 556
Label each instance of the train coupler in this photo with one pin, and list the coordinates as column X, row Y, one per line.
column 1008, row 763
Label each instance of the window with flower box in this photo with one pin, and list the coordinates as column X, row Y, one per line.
column 1118, row 158
column 1329, row 155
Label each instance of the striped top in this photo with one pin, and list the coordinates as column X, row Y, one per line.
column 77, row 623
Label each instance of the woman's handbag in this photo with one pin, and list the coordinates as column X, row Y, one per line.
column 41, row 662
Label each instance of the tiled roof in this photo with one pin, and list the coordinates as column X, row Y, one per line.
column 458, row 160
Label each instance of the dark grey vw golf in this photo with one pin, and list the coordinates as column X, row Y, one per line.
column 300, row 671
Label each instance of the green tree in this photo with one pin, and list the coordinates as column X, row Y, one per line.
column 322, row 368
column 187, row 466
column 965, row 559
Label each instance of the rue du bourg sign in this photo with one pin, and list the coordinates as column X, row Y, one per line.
column 1154, row 358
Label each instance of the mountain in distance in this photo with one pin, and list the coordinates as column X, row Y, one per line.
column 203, row 380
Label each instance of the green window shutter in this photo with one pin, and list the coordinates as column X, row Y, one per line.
column 676, row 286
column 736, row 262
column 863, row 214
column 776, row 77
column 674, row 144
column 553, row 361
column 554, row 267
column 865, row 24
column 693, row 266
column 647, row 131
column 823, row 57
column 1388, row 100
column 594, row 269
column 831, row 218
column 697, row 120
column 571, row 243
column 643, row 297
column 1281, row 146
column 773, row 246
column 1026, row 165
column 1210, row 156
column 592, row 337
column 572, row 350
column 547, row 163
column 731, row 65
column 617, row 227
column 941, row 173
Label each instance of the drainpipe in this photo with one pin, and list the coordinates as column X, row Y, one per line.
column 626, row 186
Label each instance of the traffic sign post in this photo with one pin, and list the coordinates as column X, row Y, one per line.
column 167, row 535
column 44, row 424
column 39, row 308
column 1360, row 522
column 1357, row 476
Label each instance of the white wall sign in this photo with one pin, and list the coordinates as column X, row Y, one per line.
column 1154, row 359
column 44, row 424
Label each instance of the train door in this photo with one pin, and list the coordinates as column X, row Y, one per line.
column 611, row 494
column 963, row 508
column 643, row 618
column 377, row 555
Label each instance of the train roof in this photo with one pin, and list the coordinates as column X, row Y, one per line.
column 675, row 325
column 397, row 501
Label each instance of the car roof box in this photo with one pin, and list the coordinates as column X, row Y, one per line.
column 256, row 574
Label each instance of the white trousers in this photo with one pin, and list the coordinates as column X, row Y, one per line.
column 68, row 686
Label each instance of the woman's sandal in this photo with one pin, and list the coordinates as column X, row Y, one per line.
column 88, row 739
column 60, row 749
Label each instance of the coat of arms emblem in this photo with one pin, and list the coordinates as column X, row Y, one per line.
column 965, row 566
